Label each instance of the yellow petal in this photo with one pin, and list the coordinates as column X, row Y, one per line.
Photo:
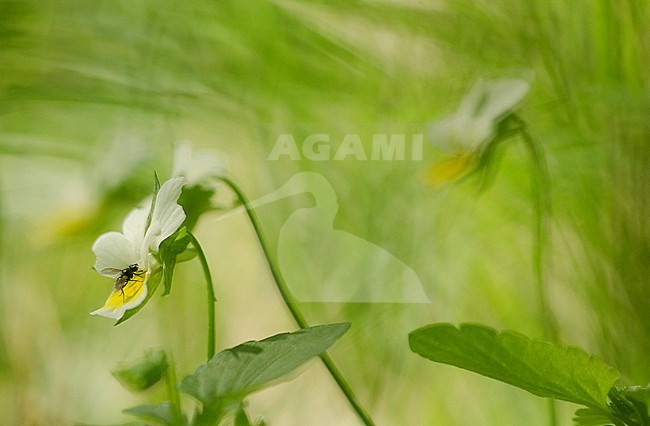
column 117, row 303
column 450, row 169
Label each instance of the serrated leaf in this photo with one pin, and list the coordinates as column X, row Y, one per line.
column 591, row 417
column 630, row 410
column 144, row 374
column 234, row 373
column 639, row 393
column 152, row 285
column 159, row 413
column 541, row 368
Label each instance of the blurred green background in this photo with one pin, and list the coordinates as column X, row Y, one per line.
column 94, row 94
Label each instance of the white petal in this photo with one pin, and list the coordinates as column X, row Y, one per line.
column 444, row 133
column 182, row 158
column 114, row 250
column 490, row 100
column 206, row 165
column 474, row 99
column 199, row 168
column 459, row 132
column 108, row 313
column 167, row 215
column 134, row 224
column 150, row 263
column 479, row 133
column 503, row 96
column 475, row 122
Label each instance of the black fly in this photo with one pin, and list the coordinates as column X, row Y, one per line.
column 122, row 277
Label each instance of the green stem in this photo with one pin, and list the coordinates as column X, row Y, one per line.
column 542, row 208
column 290, row 302
column 210, row 295
column 172, row 389
column 542, row 203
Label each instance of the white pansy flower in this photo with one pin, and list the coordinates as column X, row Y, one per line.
column 201, row 168
column 465, row 134
column 129, row 256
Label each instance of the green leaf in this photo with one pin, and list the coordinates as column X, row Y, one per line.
column 639, row 393
column 591, row 417
column 628, row 407
column 158, row 413
column 624, row 406
column 234, row 373
column 144, row 374
column 187, row 255
column 169, row 250
column 541, row 368
column 152, row 285
column 241, row 417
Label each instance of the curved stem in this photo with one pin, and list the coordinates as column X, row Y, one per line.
column 210, row 295
column 289, row 300
column 542, row 203
column 542, row 209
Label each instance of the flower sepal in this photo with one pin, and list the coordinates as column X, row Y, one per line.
column 170, row 250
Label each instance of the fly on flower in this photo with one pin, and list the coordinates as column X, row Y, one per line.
column 131, row 257
column 122, row 277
